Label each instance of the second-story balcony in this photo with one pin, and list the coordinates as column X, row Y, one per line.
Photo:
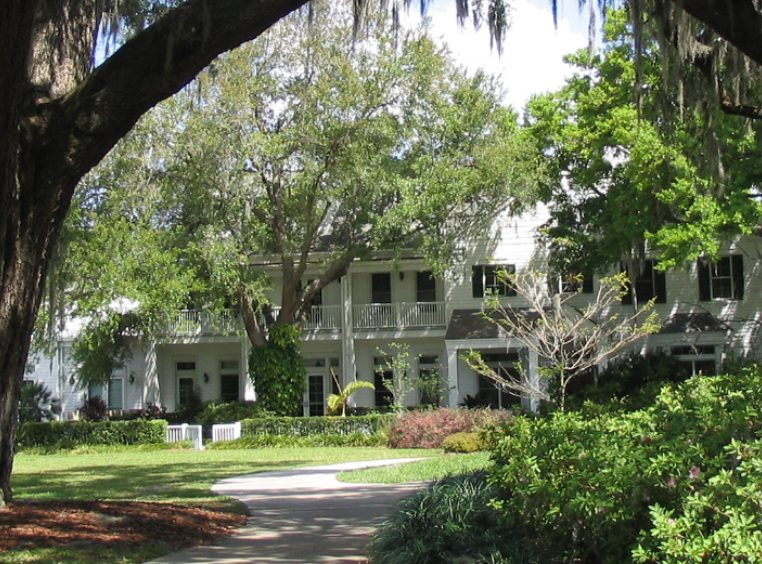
column 399, row 315
column 319, row 317
column 197, row 323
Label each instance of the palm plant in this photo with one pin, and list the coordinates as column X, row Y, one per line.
column 337, row 403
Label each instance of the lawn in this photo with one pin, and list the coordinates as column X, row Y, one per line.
column 433, row 468
column 167, row 476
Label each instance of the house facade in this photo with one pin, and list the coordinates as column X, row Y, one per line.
column 708, row 310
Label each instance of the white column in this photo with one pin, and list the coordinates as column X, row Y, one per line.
column 249, row 394
column 532, row 402
column 453, row 394
column 348, row 360
column 151, row 384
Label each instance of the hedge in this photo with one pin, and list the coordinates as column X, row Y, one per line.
column 67, row 434
column 305, row 426
column 291, row 441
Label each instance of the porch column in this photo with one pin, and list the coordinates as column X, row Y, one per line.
column 151, row 389
column 453, row 394
column 348, row 360
column 532, row 402
column 249, row 393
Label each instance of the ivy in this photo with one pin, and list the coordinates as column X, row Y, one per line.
column 277, row 372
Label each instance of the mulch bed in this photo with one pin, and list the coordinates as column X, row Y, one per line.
column 51, row 523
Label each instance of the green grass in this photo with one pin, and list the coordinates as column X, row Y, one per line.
column 166, row 475
column 179, row 476
column 421, row 471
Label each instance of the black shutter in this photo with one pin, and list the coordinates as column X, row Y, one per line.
column 627, row 298
column 705, row 294
column 587, row 283
column 660, row 285
column 737, row 266
column 477, row 281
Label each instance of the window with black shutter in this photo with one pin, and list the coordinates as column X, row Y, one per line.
column 425, row 287
column 721, row 279
column 489, row 279
column 650, row 284
column 381, row 288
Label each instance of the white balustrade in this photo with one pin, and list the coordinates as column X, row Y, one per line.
column 226, row 431
column 185, row 432
column 399, row 315
column 194, row 322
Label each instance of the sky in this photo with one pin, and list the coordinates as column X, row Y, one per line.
column 531, row 62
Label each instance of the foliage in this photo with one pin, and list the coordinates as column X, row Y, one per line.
column 94, row 409
column 450, row 521
column 463, row 442
column 277, row 371
column 69, row 434
column 355, row 439
column 37, row 403
column 428, row 428
column 337, row 403
column 102, row 346
column 397, row 361
column 368, row 425
column 635, row 170
column 228, row 412
column 594, row 487
column 569, row 333
column 634, row 377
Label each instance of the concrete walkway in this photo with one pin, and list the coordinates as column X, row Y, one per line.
column 304, row 515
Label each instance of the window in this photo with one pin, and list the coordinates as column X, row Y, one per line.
column 649, row 284
column 487, row 279
column 697, row 359
column 116, row 393
column 381, row 288
column 185, row 390
column 316, row 394
column 425, row 287
column 429, row 380
column 722, row 279
column 492, row 394
column 229, row 387
column 317, row 298
column 571, row 283
column 383, row 397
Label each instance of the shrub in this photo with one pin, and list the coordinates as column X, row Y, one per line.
column 68, row 434
column 427, row 429
column 463, row 443
column 588, row 488
column 450, row 521
column 368, row 425
column 37, row 403
column 94, row 409
column 322, row 440
column 227, row 412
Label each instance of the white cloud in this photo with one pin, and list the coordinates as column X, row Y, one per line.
column 532, row 59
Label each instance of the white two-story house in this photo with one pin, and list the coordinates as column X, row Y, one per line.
column 708, row 310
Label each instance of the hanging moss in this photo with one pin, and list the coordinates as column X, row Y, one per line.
column 278, row 373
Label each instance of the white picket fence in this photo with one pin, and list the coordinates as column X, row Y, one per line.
column 185, row 432
column 226, row 431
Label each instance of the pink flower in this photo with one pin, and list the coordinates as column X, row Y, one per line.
column 671, row 483
column 694, row 473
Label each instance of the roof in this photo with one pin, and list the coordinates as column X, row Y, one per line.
column 476, row 324
column 693, row 323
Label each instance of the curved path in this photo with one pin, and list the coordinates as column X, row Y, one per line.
column 304, row 515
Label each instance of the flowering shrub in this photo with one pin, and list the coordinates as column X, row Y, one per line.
column 427, row 429
column 675, row 482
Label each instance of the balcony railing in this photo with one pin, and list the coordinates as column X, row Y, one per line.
column 195, row 322
column 399, row 315
column 319, row 317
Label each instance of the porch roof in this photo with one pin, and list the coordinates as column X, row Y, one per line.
column 700, row 322
column 469, row 324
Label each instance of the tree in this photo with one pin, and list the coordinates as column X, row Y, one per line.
column 569, row 334
column 59, row 117
column 306, row 150
column 397, row 362
column 633, row 179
